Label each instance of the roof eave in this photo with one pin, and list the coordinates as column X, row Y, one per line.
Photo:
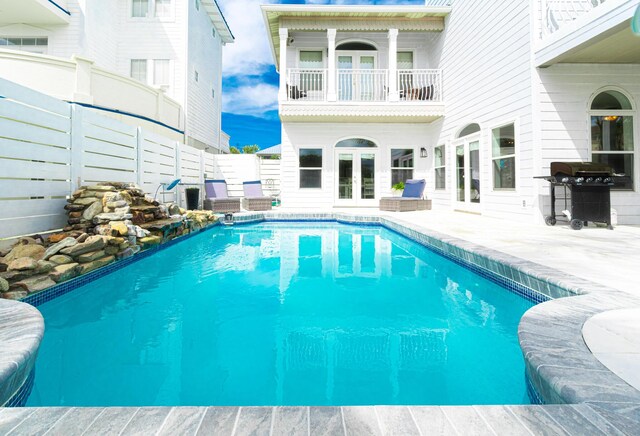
column 218, row 20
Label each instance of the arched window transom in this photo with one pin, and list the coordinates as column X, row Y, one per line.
column 356, row 143
column 469, row 130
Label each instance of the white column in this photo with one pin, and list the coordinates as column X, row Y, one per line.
column 331, row 65
column 393, row 65
column 284, row 36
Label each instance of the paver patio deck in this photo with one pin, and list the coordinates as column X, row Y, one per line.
column 595, row 254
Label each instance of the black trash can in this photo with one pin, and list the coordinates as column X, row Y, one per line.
column 193, row 198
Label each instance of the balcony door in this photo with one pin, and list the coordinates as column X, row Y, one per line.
column 357, row 77
column 356, row 164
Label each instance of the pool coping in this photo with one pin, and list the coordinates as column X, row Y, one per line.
column 560, row 367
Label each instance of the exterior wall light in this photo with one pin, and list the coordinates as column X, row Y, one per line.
column 423, row 152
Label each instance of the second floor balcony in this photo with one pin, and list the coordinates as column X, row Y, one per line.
column 586, row 31
column 412, row 86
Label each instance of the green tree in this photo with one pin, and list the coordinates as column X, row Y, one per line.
column 250, row 149
column 234, row 150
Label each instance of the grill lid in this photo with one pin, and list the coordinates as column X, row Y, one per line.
column 580, row 168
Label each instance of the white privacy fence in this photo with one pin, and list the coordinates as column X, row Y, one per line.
column 238, row 168
column 48, row 148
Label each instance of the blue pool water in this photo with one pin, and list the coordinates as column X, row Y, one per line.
column 284, row 314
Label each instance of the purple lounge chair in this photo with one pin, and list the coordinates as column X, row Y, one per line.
column 254, row 198
column 412, row 198
column 218, row 199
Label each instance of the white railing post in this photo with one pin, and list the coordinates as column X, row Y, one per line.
column 76, row 144
column 331, row 81
column 139, row 149
column 284, row 37
column 393, row 65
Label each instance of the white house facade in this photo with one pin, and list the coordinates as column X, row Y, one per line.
column 476, row 97
column 152, row 60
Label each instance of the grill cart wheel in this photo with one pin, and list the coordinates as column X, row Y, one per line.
column 549, row 220
column 576, row 224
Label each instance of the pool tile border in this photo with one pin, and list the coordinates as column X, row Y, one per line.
column 559, row 366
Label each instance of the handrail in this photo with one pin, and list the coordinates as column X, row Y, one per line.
column 371, row 85
column 557, row 13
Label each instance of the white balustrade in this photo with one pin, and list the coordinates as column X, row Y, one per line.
column 420, row 85
column 307, row 84
column 363, row 85
column 557, row 13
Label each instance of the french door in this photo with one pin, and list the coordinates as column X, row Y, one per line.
column 357, row 76
column 356, row 177
column 467, row 172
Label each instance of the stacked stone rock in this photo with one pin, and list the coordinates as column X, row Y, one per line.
column 103, row 227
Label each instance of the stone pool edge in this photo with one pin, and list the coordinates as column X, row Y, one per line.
column 559, row 364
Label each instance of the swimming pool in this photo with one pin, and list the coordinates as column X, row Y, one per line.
column 284, row 314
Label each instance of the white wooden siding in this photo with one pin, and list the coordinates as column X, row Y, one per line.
column 565, row 93
column 325, row 136
column 486, row 80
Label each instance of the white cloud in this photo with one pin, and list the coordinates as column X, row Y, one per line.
column 251, row 99
column 250, row 54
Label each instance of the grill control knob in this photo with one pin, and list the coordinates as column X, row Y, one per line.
column 599, row 180
column 607, row 180
column 565, row 180
column 590, row 179
column 580, row 180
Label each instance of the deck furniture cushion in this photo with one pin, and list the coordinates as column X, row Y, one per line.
column 254, row 198
column 413, row 188
column 218, row 199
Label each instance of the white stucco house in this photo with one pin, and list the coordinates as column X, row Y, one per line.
column 155, row 63
column 475, row 96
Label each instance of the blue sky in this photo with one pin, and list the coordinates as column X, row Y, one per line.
column 250, row 81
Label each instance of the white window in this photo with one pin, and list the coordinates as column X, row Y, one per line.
column 197, row 5
column 401, row 165
column 439, row 166
column 213, row 93
column 161, row 72
column 162, row 8
column 503, row 157
column 32, row 45
column 196, row 75
column 405, row 60
column 310, row 168
column 612, row 140
column 139, row 70
column 213, row 32
column 149, row 8
column 139, row 8
column 311, row 59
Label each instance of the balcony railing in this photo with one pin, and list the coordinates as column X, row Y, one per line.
column 306, row 84
column 420, row 85
column 364, row 85
column 557, row 13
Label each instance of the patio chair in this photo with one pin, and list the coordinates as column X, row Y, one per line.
column 411, row 200
column 217, row 199
column 254, row 198
column 295, row 93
